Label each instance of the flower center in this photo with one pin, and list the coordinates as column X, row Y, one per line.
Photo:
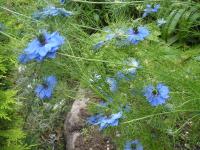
column 42, row 39
column 45, row 85
column 133, row 146
column 135, row 30
column 155, row 92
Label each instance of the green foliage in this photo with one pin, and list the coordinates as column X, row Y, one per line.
column 167, row 126
column 182, row 23
column 10, row 121
column 11, row 134
column 162, row 126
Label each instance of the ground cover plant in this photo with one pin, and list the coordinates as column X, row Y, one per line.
column 140, row 58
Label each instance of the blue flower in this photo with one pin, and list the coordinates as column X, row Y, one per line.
column 62, row 1
column 96, row 77
column 131, row 66
column 2, row 27
column 45, row 90
column 45, row 46
column 112, row 84
column 135, row 36
column 158, row 95
column 94, row 120
column 104, row 121
column 133, row 145
column 120, row 75
column 105, row 104
column 98, row 45
column 23, row 58
column 129, row 70
column 110, row 36
column 161, row 21
column 51, row 11
column 149, row 9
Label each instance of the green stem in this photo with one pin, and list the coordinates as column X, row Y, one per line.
column 116, row 2
column 158, row 114
column 14, row 12
column 87, row 59
column 185, row 124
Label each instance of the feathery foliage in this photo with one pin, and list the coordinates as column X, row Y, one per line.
column 173, row 125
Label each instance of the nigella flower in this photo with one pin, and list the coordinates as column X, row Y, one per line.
column 156, row 95
column 129, row 70
column 112, row 84
column 2, row 27
column 45, row 90
column 131, row 66
column 161, row 21
column 45, row 46
column 120, row 75
column 95, row 78
column 137, row 35
column 98, row 45
column 23, row 58
column 105, row 104
column 150, row 9
column 104, row 121
column 62, row 1
column 51, row 11
column 133, row 145
column 110, row 36
column 94, row 120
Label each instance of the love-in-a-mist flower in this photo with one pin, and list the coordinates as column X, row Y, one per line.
column 161, row 21
column 131, row 66
column 98, row 45
column 156, row 95
column 2, row 27
column 138, row 34
column 129, row 70
column 62, row 1
column 51, row 11
column 112, row 84
column 45, row 46
column 96, row 77
column 150, row 9
column 104, row 121
column 45, row 90
column 133, row 145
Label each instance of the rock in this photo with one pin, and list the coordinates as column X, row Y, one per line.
column 75, row 123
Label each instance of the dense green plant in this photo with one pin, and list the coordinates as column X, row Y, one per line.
column 164, row 127
column 182, row 23
column 11, row 133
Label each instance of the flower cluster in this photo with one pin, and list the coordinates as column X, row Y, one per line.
column 124, row 36
column 51, row 11
column 104, row 121
column 45, row 46
column 44, row 90
column 118, row 34
column 150, row 9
